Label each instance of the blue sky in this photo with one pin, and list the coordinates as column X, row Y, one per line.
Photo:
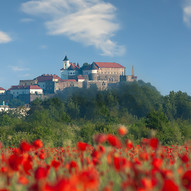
column 154, row 36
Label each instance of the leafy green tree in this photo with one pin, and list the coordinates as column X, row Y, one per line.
column 139, row 98
column 169, row 105
column 177, row 105
column 73, row 109
column 156, row 120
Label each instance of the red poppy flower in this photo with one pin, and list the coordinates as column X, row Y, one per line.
column 157, row 163
column 24, row 146
column 154, row 143
column 129, row 144
column 55, row 164
column 100, row 138
column 119, row 163
column 184, row 158
column 65, row 185
column 82, row 146
column 114, row 141
column 15, row 161
column 41, row 173
column 23, row 180
column 42, row 155
column 38, row 143
column 122, row 130
column 186, row 179
column 169, row 185
column 89, row 179
column 27, row 166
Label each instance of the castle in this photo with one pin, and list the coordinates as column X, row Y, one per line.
column 98, row 74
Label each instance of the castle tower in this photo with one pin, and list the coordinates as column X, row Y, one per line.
column 64, row 70
column 66, row 63
column 93, row 74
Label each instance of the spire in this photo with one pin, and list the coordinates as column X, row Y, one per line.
column 132, row 71
column 66, row 58
column 93, row 66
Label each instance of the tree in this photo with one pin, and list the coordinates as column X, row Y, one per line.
column 156, row 120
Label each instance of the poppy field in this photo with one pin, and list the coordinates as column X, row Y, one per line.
column 111, row 164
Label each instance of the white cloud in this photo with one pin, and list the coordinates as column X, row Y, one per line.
column 18, row 68
column 90, row 22
column 4, row 38
column 187, row 13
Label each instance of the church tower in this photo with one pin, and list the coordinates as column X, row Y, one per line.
column 64, row 70
column 66, row 63
column 133, row 71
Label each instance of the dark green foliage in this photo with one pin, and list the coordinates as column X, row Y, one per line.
column 156, row 120
column 177, row 105
column 15, row 102
column 140, row 98
column 76, row 114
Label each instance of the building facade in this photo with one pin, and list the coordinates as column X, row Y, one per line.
column 111, row 72
column 2, row 90
column 25, row 90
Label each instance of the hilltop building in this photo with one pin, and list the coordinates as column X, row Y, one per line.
column 98, row 74
column 2, row 90
column 101, row 74
column 25, row 90
column 109, row 71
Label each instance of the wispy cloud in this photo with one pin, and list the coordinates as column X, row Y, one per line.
column 90, row 22
column 187, row 12
column 18, row 68
column 27, row 20
column 43, row 47
column 4, row 38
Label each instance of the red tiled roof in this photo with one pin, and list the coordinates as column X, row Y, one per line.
column 1, row 88
column 24, row 87
column 35, row 87
column 47, row 77
column 80, row 77
column 68, row 80
column 108, row 65
column 73, row 67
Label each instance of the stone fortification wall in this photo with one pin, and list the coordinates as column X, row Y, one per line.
column 101, row 84
column 27, row 82
column 128, row 78
column 61, row 85
column 112, row 75
column 42, row 97
column 115, row 71
column 109, row 77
